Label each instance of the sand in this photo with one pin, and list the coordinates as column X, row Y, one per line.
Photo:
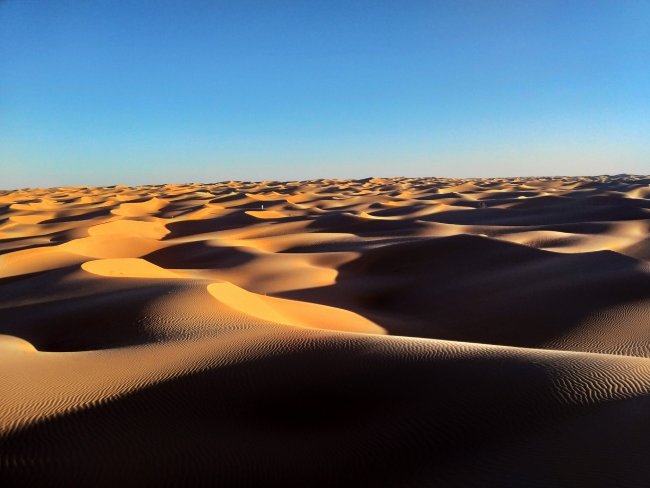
column 377, row 332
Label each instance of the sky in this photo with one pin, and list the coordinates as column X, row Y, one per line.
column 149, row 92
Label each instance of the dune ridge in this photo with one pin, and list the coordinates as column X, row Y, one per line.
column 373, row 332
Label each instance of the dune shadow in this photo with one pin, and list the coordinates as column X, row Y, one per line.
column 474, row 289
column 104, row 314
column 199, row 255
column 290, row 418
column 78, row 218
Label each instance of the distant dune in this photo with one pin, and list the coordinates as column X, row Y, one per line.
column 391, row 332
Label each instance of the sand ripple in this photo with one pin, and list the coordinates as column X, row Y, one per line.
column 374, row 332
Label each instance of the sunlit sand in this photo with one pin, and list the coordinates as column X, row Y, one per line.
column 405, row 331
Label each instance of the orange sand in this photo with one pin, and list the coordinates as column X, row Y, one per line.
column 376, row 332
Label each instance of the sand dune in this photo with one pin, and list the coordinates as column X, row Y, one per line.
column 290, row 312
column 375, row 332
column 128, row 268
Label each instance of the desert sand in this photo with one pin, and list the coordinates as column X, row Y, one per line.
column 377, row 332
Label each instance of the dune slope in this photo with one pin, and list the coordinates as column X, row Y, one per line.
column 377, row 332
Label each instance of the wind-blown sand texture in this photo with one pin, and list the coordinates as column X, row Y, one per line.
column 377, row 332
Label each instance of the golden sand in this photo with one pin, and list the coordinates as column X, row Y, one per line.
column 376, row 332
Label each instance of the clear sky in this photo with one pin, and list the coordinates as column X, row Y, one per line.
column 99, row 93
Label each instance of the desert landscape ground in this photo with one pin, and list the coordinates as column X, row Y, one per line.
column 377, row 332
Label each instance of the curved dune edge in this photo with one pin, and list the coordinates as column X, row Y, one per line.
column 139, row 209
column 285, row 242
column 290, row 312
column 266, row 214
column 32, row 218
column 271, row 273
column 111, row 246
column 149, row 230
column 128, row 268
column 9, row 343
column 36, row 260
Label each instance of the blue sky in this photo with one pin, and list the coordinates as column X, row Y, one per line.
column 136, row 92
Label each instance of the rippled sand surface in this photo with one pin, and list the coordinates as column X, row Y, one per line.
column 376, row 332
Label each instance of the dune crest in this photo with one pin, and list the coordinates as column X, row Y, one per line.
column 15, row 344
column 266, row 214
column 128, row 268
column 291, row 312
column 371, row 332
column 149, row 230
